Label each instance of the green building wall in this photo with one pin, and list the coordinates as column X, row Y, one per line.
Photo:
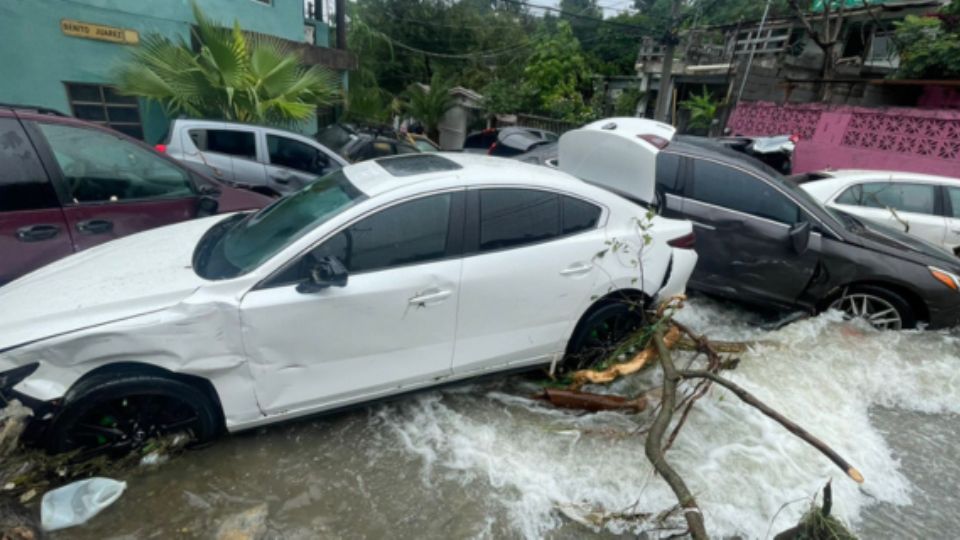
column 36, row 58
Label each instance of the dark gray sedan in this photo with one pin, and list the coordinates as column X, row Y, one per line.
column 763, row 240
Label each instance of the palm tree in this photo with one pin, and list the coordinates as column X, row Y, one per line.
column 232, row 76
column 429, row 104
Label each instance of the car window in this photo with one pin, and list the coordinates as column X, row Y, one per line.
column 578, row 215
column 954, row 195
column 23, row 182
column 424, row 146
column 413, row 232
column 294, row 154
column 401, row 148
column 918, row 198
column 250, row 242
column 731, row 188
column 480, row 140
column 515, row 217
column 99, row 167
column 668, row 168
column 225, row 141
column 851, row 196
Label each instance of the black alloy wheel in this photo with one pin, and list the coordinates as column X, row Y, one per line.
column 117, row 415
column 601, row 333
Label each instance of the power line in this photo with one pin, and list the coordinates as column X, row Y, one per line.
column 575, row 15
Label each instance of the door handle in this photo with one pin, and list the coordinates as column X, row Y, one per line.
column 433, row 295
column 281, row 178
column 37, row 233
column 95, row 226
column 576, row 269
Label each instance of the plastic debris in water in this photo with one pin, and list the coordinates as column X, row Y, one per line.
column 75, row 503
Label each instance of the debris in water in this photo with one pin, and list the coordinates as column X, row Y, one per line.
column 17, row 523
column 248, row 525
column 575, row 399
column 74, row 504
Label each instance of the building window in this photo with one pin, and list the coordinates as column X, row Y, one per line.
column 265, row 2
column 105, row 106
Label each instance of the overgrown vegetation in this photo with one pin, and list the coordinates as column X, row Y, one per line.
column 930, row 46
column 231, row 76
column 543, row 63
column 703, row 110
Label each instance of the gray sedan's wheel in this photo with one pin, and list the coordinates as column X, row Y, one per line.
column 883, row 309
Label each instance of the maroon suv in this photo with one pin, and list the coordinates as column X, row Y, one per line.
column 66, row 185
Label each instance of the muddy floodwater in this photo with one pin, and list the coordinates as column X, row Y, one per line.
column 484, row 461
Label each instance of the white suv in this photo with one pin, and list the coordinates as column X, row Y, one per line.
column 264, row 159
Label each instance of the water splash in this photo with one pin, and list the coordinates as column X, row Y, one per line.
column 824, row 373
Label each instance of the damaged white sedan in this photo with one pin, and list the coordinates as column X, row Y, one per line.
column 382, row 278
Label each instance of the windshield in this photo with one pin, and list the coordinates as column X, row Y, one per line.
column 240, row 244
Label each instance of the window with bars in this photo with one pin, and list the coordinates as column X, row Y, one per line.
column 105, row 106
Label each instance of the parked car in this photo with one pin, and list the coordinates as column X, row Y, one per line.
column 67, row 185
column 776, row 151
column 760, row 238
column 422, row 142
column 380, row 278
column 268, row 160
column 356, row 144
column 544, row 154
column 507, row 142
column 923, row 205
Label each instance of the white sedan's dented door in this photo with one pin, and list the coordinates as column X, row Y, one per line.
column 381, row 331
column 391, row 326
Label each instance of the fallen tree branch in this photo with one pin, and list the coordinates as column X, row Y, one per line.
column 612, row 373
column 573, row 399
column 790, row 426
column 653, row 446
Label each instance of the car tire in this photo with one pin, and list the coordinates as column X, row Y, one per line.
column 878, row 301
column 600, row 331
column 116, row 413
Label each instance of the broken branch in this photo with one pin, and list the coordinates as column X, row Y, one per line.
column 790, row 426
column 653, row 446
column 574, row 399
column 616, row 371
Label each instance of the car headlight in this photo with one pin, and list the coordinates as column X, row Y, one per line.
column 947, row 278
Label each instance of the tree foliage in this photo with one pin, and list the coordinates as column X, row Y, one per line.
column 232, row 76
column 553, row 74
column 930, row 46
column 429, row 104
column 703, row 110
column 540, row 63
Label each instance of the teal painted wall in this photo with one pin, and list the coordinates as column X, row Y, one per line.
column 36, row 58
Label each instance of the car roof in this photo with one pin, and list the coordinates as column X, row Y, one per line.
column 374, row 177
column 703, row 147
column 864, row 174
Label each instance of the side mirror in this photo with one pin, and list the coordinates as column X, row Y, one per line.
column 326, row 272
column 800, row 237
column 207, row 206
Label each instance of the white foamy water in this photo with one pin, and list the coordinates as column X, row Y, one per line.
column 823, row 373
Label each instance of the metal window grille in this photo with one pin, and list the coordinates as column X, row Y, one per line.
column 103, row 105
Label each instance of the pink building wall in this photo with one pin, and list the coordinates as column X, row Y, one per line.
column 843, row 137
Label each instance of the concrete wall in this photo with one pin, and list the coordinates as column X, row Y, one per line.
column 36, row 58
column 844, row 137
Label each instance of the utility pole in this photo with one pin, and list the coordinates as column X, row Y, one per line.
column 753, row 49
column 665, row 94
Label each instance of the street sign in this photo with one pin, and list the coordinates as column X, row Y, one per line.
column 99, row 32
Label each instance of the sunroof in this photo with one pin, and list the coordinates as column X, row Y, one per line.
column 417, row 164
